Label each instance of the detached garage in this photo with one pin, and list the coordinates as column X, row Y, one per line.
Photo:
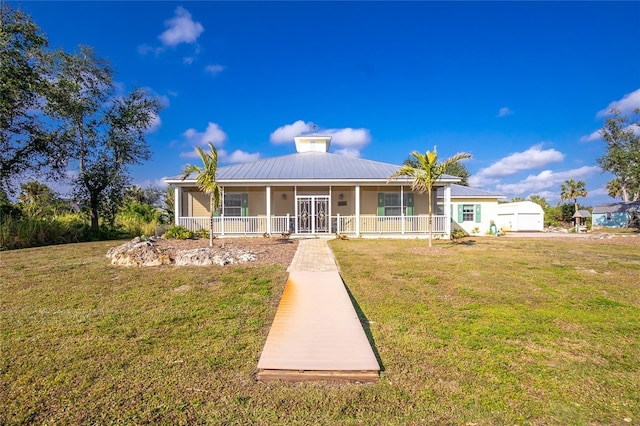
column 520, row 216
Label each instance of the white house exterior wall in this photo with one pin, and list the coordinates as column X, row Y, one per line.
column 488, row 213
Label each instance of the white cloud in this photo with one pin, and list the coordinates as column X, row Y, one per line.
column 348, row 152
column 181, row 29
column 532, row 158
column 348, row 137
column 348, row 140
column 214, row 69
column 286, row 133
column 594, row 136
column 187, row 60
column 546, row 179
column 238, row 156
column 213, row 133
column 626, row 105
column 504, row 112
column 155, row 124
column 145, row 49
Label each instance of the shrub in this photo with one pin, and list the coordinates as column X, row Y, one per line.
column 178, row 233
column 202, row 233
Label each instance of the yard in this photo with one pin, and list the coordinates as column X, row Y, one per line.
column 496, row 331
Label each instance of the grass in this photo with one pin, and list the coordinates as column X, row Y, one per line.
column 493, row 332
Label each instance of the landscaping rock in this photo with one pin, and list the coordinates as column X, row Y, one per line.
column 204, row 257
column 151, row 252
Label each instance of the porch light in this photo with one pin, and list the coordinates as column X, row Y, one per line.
column 284, row 196
column 341, row 197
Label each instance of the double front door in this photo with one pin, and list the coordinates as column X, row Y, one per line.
column 313, row 213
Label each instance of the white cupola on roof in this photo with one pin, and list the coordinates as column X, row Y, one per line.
column 312, row 143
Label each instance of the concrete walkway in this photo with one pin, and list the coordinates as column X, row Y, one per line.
column 316, row 333
column 313, row 255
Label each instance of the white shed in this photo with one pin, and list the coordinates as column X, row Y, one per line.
column 520, row 216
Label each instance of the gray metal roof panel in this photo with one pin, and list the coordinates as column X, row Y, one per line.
column 616, row 207
column 310, row 166
column 461, row 191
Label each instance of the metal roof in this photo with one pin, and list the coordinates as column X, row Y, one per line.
column 460, row 191
column 308, row 166
column 582, row 214
column 617, row 207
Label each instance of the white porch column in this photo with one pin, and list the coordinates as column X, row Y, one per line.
column 358, row 210
column 269, row 209
column 177, row 205
column 447, row 209
column 402, row 209
column 221, row 212
column 295, row 205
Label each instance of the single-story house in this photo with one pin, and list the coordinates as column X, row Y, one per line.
column 520, row 216
column 616, row 215
column 473, row 210
column 315, row 192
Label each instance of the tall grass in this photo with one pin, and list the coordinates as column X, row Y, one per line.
column 24, row 230
column 29, row 231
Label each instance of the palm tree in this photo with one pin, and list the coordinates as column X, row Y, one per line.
column 427, row 171
column 615, row 188
column 206, row 180
column 571, row 190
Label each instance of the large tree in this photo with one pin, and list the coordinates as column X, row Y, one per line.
column 206, row 180
column 454, row 169
column 571, row 190
column 426, row 174
column 622, row 157
column 104, row 132
column 27, row 143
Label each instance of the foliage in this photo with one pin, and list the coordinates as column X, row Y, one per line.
column 31, row 231
column 622, row 157
column 26, row 141
column 169, row 200
column 454, row 169
column 151, row 195
column 140, row 219
column 571, row 190
column 202, row 233
column 103, row 132
column 178, row 232
column 37, row 199
column 458, row 234
column 206, row 180
column 426, row 175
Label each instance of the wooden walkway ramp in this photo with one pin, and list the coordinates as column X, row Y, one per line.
column 316, row 333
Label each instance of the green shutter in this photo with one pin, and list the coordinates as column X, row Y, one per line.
column 245, row 205
column 478, row 209
column 410, row 204
column 380, row 204
column 460, row 214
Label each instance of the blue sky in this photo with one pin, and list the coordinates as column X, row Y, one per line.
column 521, row 86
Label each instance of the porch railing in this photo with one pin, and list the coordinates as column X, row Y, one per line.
column 252, row 225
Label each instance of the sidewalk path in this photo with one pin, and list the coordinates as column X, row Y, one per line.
column 316, row 333
column 313, row 255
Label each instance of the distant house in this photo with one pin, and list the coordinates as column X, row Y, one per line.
column 471, row 209
column 520, row 216
column 616, row 215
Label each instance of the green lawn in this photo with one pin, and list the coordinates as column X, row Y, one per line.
column 503, row 331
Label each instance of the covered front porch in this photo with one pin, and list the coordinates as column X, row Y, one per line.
column 299, row 210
